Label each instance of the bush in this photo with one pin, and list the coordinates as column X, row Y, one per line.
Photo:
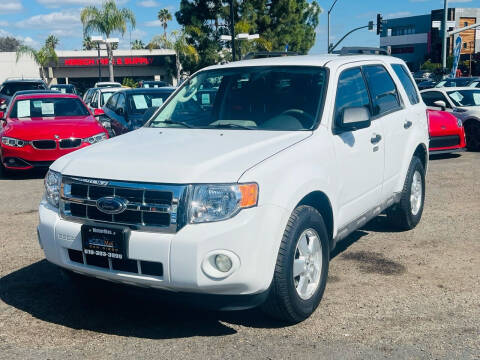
column 130, row 83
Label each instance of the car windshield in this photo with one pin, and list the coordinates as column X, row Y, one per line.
column 48, row 107
column 105, row 96
column 248, row 98
column 10, row 89
column 139, row 103
column 454, row 83
column 465, row 97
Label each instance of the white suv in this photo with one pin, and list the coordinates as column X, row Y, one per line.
column 242, row 183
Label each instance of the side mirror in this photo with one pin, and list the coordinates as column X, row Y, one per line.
column 98, row 112
column 120, row 111
column 355, row 118
column 94, row 104
column 441, row 104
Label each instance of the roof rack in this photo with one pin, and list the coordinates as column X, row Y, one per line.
column 268, row 54
column 363, row 50
column 23, row 78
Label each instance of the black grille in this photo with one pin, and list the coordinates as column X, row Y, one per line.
column 75, row 256
column 150, row 208
column 44, row 144
column 444, row 141
column 151, row 268
column 70, row 143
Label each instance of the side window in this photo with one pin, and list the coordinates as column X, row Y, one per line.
column 407, row 83
column 430, row 97
column 112, row 101
column 351, row 92
column 94, row 99
column 121, row 102
column 382, row 89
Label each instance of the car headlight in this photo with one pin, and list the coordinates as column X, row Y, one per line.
column 53, row 183
column 459, row 123
column 216, row 202
column 13, row 142
column 95, row 138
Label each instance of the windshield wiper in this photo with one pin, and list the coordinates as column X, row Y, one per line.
column 232, row 126
column 184, row 124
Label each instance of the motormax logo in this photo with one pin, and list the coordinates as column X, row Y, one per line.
column 102, row 231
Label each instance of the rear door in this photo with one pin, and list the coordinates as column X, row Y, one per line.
column 360, row 153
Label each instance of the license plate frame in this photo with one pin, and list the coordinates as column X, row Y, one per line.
column 105, row 241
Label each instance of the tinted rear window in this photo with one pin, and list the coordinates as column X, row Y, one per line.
column 11, row 88
column 407, row 83
column 382, row 89
column 48, row 107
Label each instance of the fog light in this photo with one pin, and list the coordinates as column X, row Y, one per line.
column 223, row 263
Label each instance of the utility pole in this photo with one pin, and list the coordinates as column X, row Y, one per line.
column 232, row 28
column 328, row 26
column 445, row 34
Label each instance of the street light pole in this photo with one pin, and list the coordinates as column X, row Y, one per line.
column 99, row 63
column 328, row 26
column 232, row 29
column 444, row 35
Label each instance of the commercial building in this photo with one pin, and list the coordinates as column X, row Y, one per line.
column 84, row 68
column 418, row 38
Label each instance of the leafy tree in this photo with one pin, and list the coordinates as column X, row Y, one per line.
column 164, row 17
column 130, row 83
column 9, row 43
column 43, row 57
column 107, row 20
column 137, row 45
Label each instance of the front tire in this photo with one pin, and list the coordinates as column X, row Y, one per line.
column 472, row 133
column 407, row 213
column 301, row 270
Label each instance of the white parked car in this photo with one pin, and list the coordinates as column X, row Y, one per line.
column 245, row 197
column 464, row 103
column 102, row 84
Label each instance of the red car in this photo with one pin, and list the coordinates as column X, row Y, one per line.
column 37, row 129
column 446, row 132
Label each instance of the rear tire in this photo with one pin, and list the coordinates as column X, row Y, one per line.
column 472, row 133
column 407, row 213
column 301, row 270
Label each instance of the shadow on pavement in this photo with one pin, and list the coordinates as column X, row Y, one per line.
column 40, row 290
column 23, row 175
column 444, row 156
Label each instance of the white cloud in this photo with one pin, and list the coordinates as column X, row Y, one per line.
column 25, row 40
column 11, row 6
column 398, row 14
column 148, row 3
column 60, row 20
column 138, row 34
column 3, row 23
column 59, row 3
column 153, row 23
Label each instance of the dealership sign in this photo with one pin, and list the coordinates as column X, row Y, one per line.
column 117, row 61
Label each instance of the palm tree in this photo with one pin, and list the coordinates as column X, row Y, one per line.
column 107, row 20
column 52, row 41
column 178, row 42
column 137, row 45
column 42, row 57
column 87, row 43
column 164, row 16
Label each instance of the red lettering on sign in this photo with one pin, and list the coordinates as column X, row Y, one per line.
column 134, row 60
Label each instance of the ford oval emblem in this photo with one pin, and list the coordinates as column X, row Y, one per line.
column 111, row 204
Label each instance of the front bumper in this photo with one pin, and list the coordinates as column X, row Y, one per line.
column 252, row 237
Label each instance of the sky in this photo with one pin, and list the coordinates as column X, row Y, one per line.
column 33, row 20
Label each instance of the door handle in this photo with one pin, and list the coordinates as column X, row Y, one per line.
column 407, row 124
column 376, row 138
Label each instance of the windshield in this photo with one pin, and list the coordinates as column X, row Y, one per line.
column 139, row 103
column 465, row 97
column 263, row 98
column 48, row 107
column 11, row 88
column 454, row 83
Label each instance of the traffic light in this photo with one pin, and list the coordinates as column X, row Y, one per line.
column 370, row 25
column 379, row 24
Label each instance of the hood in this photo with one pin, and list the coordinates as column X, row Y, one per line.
column 177, row 156
column 441, row 121
column 46, row 128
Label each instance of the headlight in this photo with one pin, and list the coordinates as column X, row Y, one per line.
column 53, row 182
column 95, row 138
column 459, row 123
column 13, row 142
column 218, row 202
